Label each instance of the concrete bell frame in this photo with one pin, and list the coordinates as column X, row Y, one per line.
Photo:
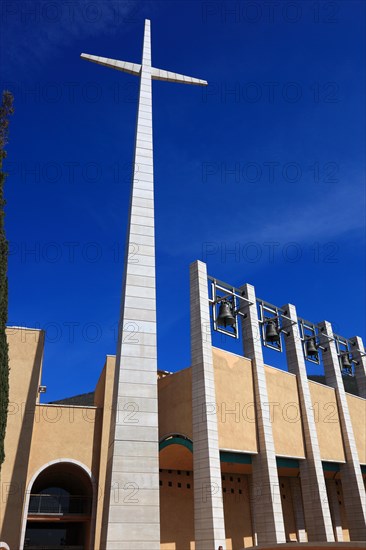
column 28, row 493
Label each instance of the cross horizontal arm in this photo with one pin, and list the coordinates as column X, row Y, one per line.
column 159, row 74
column 125, row 66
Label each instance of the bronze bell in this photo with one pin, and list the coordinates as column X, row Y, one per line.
column 346, row 364
column 226, row 317
column 311, row 349
column 272, row 334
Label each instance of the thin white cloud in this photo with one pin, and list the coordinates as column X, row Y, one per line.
column 332, row 217
column 329, row 216
column 34, row 31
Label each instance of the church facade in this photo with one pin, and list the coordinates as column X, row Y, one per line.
column 286, row 455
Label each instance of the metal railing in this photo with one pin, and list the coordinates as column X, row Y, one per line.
column 53, row 547
column 59, row 504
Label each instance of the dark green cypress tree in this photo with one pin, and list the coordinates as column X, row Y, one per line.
column 6, row 109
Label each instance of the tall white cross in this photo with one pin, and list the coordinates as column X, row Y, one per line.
column 133, row 519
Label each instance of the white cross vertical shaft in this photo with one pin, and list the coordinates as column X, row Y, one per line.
column 133, row 519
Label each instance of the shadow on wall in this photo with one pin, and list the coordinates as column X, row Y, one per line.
column 16, row 485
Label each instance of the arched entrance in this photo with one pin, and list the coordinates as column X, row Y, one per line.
column 59, row 509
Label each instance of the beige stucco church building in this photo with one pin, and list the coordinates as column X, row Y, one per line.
column 53, row 481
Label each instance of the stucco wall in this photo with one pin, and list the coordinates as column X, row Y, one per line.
column 103, row 398
column 237, row 512
column 287, row 509
column 176, row 510
column 284, row 406
column 175, row 403
column 234, row 409
column 357, row 411
column 25, row 358
column 234, row 401
column 65, row 432
column 38, row 434
column 327, row 422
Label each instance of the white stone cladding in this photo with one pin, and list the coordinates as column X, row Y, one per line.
column 316, row 507
column 351, row 475
column 209, row 522
column 134, row 516
column 265, row 486
column 358, row 352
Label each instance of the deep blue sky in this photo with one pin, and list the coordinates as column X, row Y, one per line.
column 284, row 108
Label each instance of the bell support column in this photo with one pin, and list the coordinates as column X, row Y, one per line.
column 351, row 475
column 266, row 495
column 316, row 507
column 358, row 353
column 209, row 522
